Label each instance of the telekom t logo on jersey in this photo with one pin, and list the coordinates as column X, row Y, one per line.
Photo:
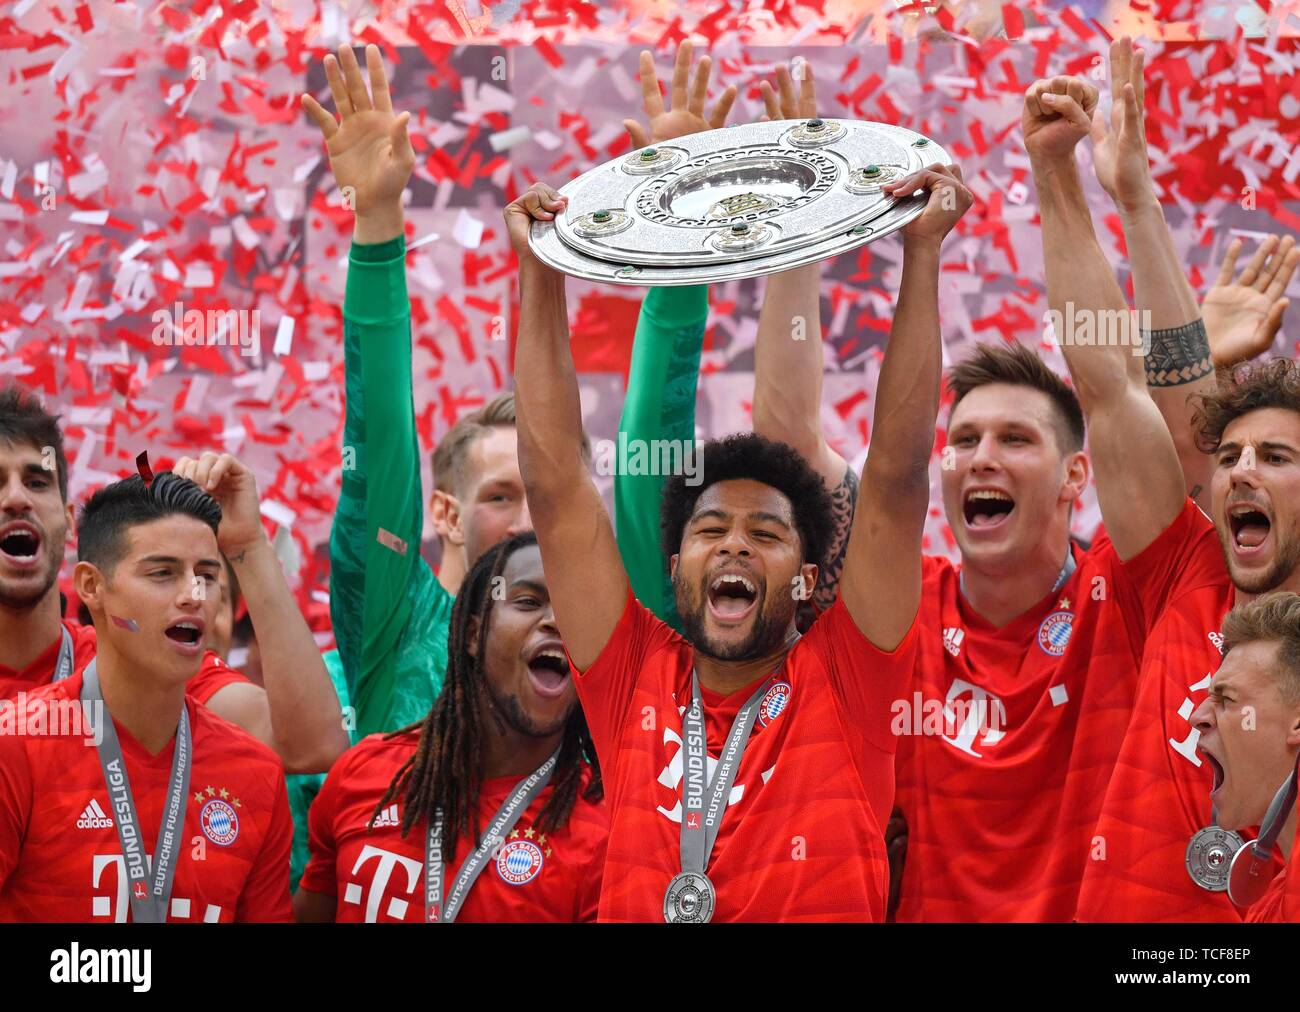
column 981, row 716
column 115, row 905
column 1187, row 747
column 388, row 862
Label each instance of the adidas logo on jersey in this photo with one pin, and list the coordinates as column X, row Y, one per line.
column 1217, row 640
column 952, row 638
column 388, row 817
column 93, row 817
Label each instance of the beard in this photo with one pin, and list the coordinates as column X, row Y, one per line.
column 509, row 711
column 19, row 600
column 765, row 636
column 1286, row 561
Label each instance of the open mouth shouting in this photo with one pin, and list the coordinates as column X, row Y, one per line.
column 986, row 509
column 548, row 669
column 732, row 598
column 187, row 635
column 1217, row 769
column 20, row 545
column 1249, row 525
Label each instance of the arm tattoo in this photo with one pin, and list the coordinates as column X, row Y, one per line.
column 844, row 500
column 1178, row 355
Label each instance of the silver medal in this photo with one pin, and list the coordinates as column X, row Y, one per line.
column 689, row 899
column 1209, row 857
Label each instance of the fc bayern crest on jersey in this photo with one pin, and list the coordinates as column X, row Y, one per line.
column 520, row 861
column 775, row 700
column 219, row 822
column 1054, row 633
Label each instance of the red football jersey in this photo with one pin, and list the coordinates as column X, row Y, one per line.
column 60, row 859
column 802, row 838
column 1159, row 793
column 1007, row 743
column 1282, row 901
column 1277, row 905
column 214, row 673
column 376, row 874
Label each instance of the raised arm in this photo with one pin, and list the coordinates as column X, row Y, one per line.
column 583, row 568
column 1178, row 365
column 297, row 713
column 788, row 363
column 1244, row 314
column 881, row 584
column 665, row 369
column 388, row 610
column 1139, row 478
column 660, row 404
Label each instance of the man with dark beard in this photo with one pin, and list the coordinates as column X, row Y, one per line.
column 784, row 820
column 296, row 713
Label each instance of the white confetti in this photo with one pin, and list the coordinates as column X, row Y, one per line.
column 468, row 230
column 244, row 233
column 89, row 217
column 284, row 336
column 503, row 140
column 278, row 512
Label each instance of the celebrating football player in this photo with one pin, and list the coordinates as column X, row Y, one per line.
column 959, row 862
column 664, row 372
column 189, row 810
column 1156, row 837
column 1249, row 727
column 296, row 712
column 488, row 810
column 788, row 823
column 391, row 613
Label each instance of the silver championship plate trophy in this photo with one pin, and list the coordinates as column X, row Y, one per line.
column 735, row 202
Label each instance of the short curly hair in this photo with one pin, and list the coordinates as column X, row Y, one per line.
column 1272, row 384
column 750, row 456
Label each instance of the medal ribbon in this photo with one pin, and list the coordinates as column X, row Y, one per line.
column 151, row 907
column 697, row 841
column 507, row 815
column 63, row 667
column 1278, row 811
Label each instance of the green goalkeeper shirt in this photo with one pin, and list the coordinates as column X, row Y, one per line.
column 390, row 614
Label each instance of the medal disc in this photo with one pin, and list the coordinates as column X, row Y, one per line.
column 689, row 899
column 1209, row 857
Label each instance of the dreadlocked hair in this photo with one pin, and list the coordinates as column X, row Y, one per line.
column 444, row 774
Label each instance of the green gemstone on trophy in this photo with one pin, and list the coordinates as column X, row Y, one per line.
column 600, row 217
column 649, row 155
